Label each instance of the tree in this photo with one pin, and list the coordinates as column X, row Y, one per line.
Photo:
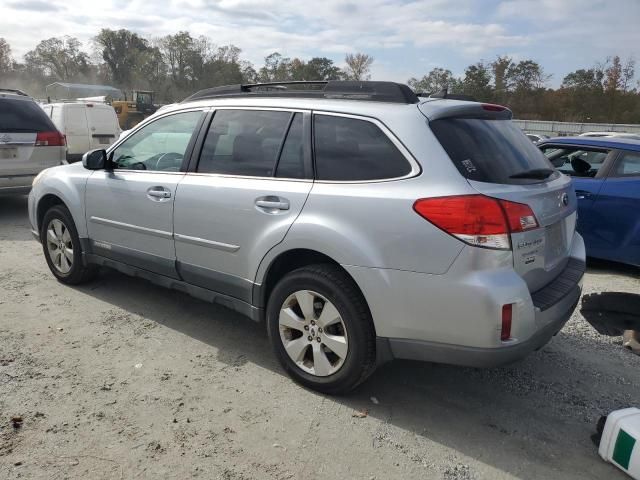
column 179, row 54
column 526, row 76
column 435, row 81
column 58, row 57
column 589, row 79
column 358, row 66
column 6, row 60
column 500, row 67
column 477, row 81
column 276, row 68
column 124, row 53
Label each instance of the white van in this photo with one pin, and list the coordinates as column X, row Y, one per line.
column 86, row 125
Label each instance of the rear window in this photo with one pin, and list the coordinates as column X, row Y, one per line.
column 23, row 116
column 489, row 150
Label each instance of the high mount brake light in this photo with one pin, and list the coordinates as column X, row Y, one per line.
column 490, row 107
column 477, row 220
column 50, row 139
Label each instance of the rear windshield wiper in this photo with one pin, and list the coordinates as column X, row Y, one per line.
column 536, row 173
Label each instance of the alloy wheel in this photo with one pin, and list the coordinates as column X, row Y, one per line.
column 59, row 246
column 313, row 333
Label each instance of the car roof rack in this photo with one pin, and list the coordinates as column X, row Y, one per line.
column 13, row 90
column 390, row 92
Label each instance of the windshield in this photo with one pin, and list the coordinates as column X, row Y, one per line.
column 493, row 151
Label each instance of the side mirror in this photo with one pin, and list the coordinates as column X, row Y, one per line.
column 95, row 159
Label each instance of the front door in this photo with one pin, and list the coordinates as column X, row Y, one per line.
column 251, row 182
column 130, row 208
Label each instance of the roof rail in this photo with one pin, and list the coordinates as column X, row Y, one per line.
column 14, row 90
column 334, row 89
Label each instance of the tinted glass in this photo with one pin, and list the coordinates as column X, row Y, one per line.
column 243, row 142
column 23, row 116
column 349, row 149
column 159, row 146
column 291, row 163
column 489, row 150
column 628, row 165
column 576, row 162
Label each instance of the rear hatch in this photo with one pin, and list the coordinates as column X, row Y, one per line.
column 499, row 161
column 24, row 128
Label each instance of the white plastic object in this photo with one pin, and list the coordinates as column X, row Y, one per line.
column 620, row 443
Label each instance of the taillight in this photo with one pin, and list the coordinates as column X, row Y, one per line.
column 50, row 139
column 476, row 219
column 507, row 316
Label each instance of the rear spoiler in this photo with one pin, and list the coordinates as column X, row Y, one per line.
column 483, row 111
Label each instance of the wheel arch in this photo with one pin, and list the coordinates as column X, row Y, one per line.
column 287, row 261
column 44, row 204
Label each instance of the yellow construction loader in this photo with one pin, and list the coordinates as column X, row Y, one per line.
column 133, row 111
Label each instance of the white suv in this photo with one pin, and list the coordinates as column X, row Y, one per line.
column 29, row 142
column 362, row 222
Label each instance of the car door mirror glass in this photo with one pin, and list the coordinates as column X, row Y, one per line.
column 95, row 159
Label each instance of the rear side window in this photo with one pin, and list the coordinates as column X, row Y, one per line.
column 348, row 149
column 244, row 142
column 489, row 150
column 291, row 162
column 23, row 116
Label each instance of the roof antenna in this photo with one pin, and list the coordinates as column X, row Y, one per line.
column 441, row 94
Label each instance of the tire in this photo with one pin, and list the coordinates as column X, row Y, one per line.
column 59, row 220
column 320, row 287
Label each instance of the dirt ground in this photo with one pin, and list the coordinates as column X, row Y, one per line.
column 120, row 379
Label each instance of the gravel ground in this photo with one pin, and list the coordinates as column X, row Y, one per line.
column 120, row 379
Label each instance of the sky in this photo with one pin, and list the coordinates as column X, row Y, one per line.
column 406, row 38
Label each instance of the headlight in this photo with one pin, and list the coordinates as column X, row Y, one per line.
column 38, row 177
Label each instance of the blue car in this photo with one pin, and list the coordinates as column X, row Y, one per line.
column 606, row 176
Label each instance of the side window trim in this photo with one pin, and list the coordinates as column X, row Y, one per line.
column 192, row 167
column 415, row 166
column 282, row 140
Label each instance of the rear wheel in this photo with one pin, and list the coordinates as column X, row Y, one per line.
column 321, row 329
column 62, row 249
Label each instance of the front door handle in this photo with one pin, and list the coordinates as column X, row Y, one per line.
column 272, row 203
column 158, row 192
column 582, row 194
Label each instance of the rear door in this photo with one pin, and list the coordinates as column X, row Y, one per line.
column 499, row 161
column 103, row 125
column 76, row 127
column 249, row 185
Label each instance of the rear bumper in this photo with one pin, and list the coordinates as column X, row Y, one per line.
column 455, row 318
column 484, row 357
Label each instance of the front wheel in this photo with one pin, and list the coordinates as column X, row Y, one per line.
column 62, row 249
column 321, row 329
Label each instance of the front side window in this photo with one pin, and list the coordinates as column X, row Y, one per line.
column 349, row 149
column 576, row 162
column 159, row 146
column 244, row 142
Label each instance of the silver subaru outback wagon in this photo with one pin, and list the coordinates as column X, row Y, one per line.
column 361, row 222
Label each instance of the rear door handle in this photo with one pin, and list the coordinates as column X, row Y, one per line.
column 158, row 192
column 272, row 203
